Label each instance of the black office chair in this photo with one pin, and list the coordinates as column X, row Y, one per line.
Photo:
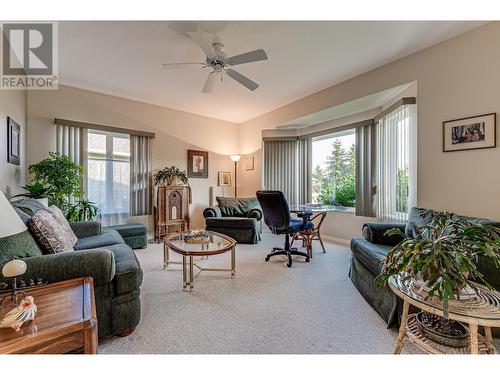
column 277, row 218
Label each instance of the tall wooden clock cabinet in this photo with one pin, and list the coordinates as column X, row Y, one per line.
column 171, row 209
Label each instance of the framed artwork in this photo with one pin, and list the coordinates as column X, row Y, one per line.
column 249, row 163
column 470, row 133
column 224, row 178
column 13, row 142
column 197, row 164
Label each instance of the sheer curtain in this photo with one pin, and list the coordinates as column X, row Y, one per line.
column 140, row 175
column 108, row 175
column 396, row 163
column 287, row 167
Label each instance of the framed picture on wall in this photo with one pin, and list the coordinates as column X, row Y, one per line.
column 224, row 178
column 249, row 163
column 13, row 142
column 470, row 133
column 197, row 164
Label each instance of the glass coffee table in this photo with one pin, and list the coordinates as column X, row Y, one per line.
column 214, row 244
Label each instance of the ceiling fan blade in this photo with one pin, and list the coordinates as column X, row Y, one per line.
column 183, row 65
column 238, row 77
column 202, row 42
column 209, row 83
column 257, row 55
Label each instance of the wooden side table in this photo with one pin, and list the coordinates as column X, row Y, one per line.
column 65, row 320
column 482, row 310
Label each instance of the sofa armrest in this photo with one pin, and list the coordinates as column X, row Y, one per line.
column 84, row 229
column 97, row 263
column 375, row 233
column 213, row 211
column 255, row 213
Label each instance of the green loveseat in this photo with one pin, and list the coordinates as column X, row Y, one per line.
column 99, row 253
column 368, row 254
column 239, row 218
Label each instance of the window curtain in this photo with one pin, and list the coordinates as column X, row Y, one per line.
column 140, row 175
column 365, row 167
column 72, row 141
column 396, row 163
column 287, row 167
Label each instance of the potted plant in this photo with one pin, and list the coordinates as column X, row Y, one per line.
column 443, row 258
column 83, row 210
column 36, row 191
column 171, row 175
column 62, row 176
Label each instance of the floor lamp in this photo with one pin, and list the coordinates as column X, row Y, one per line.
column 235, row 158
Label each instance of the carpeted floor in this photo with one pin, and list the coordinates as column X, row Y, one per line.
column 267, row 308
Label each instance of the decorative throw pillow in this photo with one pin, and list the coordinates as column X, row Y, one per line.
column 57, row 213
column 49, row 233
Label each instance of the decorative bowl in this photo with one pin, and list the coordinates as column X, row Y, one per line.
column 459, row 340
column 196, row 237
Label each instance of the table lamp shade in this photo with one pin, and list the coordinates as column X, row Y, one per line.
column 10, row 222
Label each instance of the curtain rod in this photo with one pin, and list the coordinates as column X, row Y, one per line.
column 88, row 125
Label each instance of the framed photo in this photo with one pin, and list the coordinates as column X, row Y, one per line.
column 224, row 178
column 470, row 133
column 13, row 142
column 197, row 164
column 249, row 163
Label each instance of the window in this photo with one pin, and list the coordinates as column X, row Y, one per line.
column 334, row 169
column 396, row 163
column 108, row 175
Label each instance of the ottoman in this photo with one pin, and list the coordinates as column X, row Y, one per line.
column 134, row 235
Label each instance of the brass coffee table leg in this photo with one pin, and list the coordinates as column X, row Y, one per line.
column 184, row 273
column 165, row 256
column 191, row 273
column 402, row 328
column 233, row 261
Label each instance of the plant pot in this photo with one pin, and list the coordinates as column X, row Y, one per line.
column 44, row 201
column 172, row 180
column 443, row 331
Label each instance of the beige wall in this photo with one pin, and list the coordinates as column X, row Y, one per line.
column 13, row 104
column 457, row 78
column 176, row 132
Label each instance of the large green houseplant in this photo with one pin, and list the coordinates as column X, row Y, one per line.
column 444, row 256
column 62, row 176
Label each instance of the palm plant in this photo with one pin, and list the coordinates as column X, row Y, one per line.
column 36, row 190
column 83, row 210
column 444, row 255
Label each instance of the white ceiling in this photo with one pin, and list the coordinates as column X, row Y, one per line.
column 123, row 58
column 373, row 101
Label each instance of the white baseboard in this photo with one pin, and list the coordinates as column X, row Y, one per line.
column 339, row 240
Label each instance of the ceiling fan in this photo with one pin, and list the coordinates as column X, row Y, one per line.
column 219, row 63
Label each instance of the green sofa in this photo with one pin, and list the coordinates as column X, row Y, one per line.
column 99, row 253
column 239, row 218
column 368, row 254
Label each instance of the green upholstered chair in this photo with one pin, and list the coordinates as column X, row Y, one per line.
column 103, row 255
column 239, row 218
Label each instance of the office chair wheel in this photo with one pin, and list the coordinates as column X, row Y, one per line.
column 289, row 265
column 307, row 260
column 267, row 259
